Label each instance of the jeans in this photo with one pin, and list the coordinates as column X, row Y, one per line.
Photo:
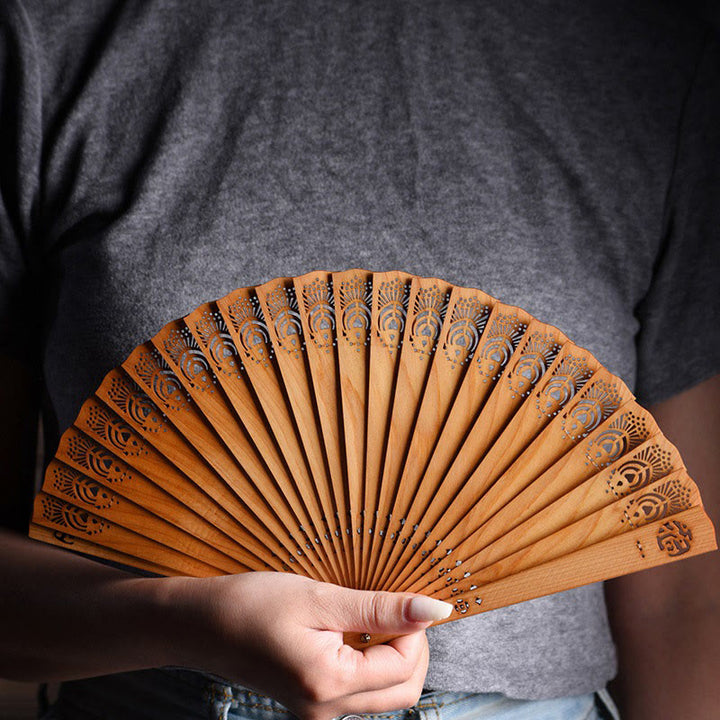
column 182, row 695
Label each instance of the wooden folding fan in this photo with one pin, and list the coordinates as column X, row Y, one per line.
column 375, row 430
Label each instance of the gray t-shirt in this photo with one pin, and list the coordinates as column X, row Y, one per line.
column 158, row 154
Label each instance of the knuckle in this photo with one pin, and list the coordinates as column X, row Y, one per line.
column 412, row 697
column 321, row 597
column 375, row 609
column 344, row 680
column 406, row 672
column 316, row 689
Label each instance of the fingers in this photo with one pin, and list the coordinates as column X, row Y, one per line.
column 339, row 608
column 398, row 696
column 385, row 696
column 381, row 666
column 283, row 635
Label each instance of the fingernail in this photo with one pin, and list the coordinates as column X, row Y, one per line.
column 426, row 609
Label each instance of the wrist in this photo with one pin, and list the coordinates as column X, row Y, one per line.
column 181, row 624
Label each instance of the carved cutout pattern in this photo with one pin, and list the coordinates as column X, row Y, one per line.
column 161, row 381
column 585, row 406
column 643, row 468
column 219, row 343
column 599, row 400
column 64, row 538
column 182, row 347
column 461, row 606
column 567, row 379
column 285, row 317
column 354, row 298
column 79, row 487
column 103, row 424
column 537, row 354
column 670, row 498
column 393, row 298
column 623, row 434
column 249, row 322
column 134, row 402
column 467, row 323
column 674, row 537
column 429, row 312
column 319, row 304
column 504, row 334
column 61, row 513
column 96, row 459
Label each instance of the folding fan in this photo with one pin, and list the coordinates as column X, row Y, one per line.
column 375, row 430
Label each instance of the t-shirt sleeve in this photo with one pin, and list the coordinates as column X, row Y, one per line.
column 20, row 153
column 678, row 344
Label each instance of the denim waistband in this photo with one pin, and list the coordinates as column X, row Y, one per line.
column 173, row 694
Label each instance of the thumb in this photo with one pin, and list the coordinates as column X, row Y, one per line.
column 382, row 612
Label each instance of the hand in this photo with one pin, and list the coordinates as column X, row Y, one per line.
column 282, row 635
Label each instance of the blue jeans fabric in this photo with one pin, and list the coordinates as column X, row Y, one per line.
column 181, row 695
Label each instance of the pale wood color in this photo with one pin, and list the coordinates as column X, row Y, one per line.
column 375, row 430
column 536, row 436
column 67, row 484
column 244, row 319
column 279, row 307
column 521, row 548
column 505, row 329
column 146, row 366
column 209, row 331
column 116, row 448
column 86, row 547
column 465, row 319
column 100, row 472
column 391, row 291
column 427, row 306
column 316, row 297
column 353, row 290
column 689, row 533
column 72, row 520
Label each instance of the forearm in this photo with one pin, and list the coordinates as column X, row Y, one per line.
column 668, row 638
column 62, row 616
column 666, row 621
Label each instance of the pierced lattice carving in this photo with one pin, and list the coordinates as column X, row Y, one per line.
column 674, row 538
column 217, row 341
column 64, row 538
column 570, row 375
column 304, row 447
column 467, row 322
column 182, row 347
column 503, row 336
column 640, row 469
column 669, row 498
column 598, row 401
column 538, row 351
column 134, row 402
column 353, row 304
column 393, row 298
column 161, row 380
column 623, row 434
column 77, row 486
column 461, row 606
column 102, row 423
column 283, row 313
column 61, row 513
column 429, row 313
column 248, row 321
column 319, row 305
column 86, row 453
